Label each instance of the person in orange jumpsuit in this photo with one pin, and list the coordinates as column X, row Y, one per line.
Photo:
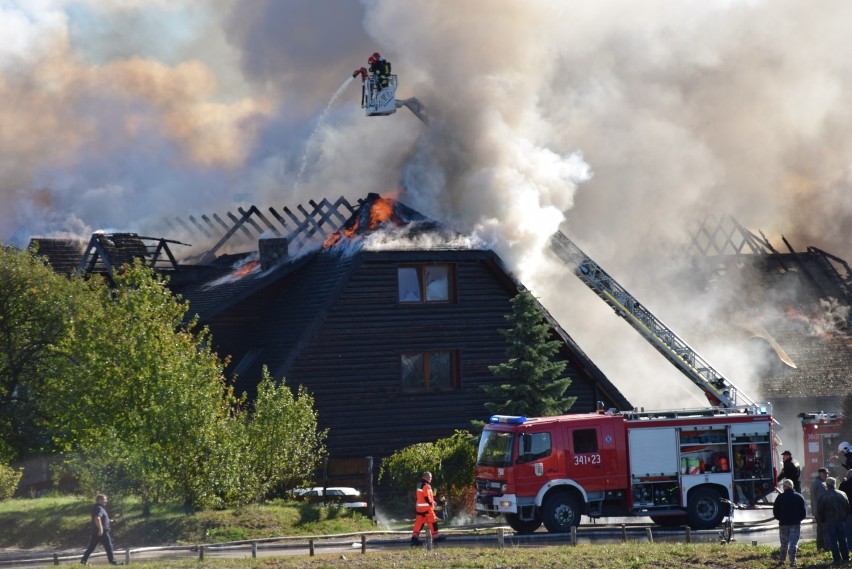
column 425, row 503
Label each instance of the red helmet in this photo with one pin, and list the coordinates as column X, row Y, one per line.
column 371, row 60
column 377, row 55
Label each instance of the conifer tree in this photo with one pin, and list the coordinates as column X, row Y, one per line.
column 533, row 384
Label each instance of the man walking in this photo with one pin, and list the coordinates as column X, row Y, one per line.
column 833, row 510
column 100, row 531
column 789, row 510
column 425, row 511
column 817, row 490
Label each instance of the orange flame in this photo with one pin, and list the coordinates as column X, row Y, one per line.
column 380, row 212
column 245, row 269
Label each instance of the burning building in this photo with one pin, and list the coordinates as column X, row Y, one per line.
column 790, row 309
column 391, row 321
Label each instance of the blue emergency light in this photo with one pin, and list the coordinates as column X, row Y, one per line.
column 507, row 419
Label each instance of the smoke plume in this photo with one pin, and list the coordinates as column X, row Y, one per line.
column 617, row 121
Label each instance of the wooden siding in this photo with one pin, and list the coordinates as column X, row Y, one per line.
column 352, row 364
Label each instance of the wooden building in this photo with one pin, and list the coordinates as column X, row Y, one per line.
column 394, row 343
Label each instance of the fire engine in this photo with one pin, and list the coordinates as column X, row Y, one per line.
column 674, row 466
column 821, row 433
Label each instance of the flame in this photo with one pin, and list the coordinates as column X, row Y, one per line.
column 245, row 269
column 381, row 211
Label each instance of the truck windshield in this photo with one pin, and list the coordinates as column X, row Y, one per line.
column 495, row 448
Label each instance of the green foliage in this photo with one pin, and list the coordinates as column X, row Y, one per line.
column 534, row 385
column 282, row 446
column 35, row 304
column 9, row 479
column 141, row 399
column 451, row 461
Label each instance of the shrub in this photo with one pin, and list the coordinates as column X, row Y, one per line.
column 9, row 479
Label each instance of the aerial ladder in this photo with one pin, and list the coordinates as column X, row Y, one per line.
column 718, row 389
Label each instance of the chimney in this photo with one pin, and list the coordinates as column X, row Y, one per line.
column 273, row 251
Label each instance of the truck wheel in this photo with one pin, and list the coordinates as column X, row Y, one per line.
column 523, row 526
column 559, row 512
column 669, row 521
column 705, row 509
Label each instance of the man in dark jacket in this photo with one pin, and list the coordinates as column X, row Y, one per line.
column 817, row 491
column 100, row 531
column 833, row 510
column 789, row 510
column 791, row 470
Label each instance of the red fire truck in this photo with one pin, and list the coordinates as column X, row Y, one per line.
column 821, row 433
column 674, row 466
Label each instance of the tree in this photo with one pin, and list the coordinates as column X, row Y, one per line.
column 141, row 397
column 35, row 304
column 284, row 446
column 534, row 385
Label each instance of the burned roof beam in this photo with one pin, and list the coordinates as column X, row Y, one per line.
column 199, row 226
column 213, row 227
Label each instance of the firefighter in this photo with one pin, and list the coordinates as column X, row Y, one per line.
column 380, row 68
column 425, row 505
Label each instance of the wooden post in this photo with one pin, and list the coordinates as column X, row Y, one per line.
column 363, row 544
column 368, row 484
column 650, row 535
column 311, row 547
column 573, row 535
column 688, row 534
column 623, row 533
column 127, row 556
column 428, row 539
column 201, row 553
column 56, row 559
column 501, row 537
column 254, row 549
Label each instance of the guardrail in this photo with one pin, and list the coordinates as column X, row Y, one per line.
column 488, row 536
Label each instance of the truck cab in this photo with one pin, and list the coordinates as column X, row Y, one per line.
column 550, row 470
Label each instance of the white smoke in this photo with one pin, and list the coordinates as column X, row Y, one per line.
column 619, row 121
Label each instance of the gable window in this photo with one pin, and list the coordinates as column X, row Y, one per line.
column 425, row 283
column 432, row 371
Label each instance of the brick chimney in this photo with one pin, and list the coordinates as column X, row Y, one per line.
column 273, row 251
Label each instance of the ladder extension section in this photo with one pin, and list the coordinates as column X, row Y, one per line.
column 717, row 388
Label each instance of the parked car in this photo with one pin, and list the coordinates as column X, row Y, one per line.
column 341, row 495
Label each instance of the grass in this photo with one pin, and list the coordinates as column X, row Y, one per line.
column 62, row 522
column 57, row 523
column 619, row 556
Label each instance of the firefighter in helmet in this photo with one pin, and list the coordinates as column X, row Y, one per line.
column 425, row 506
column 380, row 68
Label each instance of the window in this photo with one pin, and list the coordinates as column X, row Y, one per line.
column 585, row 441
column 425, row 283
column 534, row 446
column 432, row 371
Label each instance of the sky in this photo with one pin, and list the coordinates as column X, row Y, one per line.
column 620, row 122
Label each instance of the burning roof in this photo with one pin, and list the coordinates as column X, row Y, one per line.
column 385, row 214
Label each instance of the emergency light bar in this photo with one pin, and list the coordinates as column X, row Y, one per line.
column 507, row 419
